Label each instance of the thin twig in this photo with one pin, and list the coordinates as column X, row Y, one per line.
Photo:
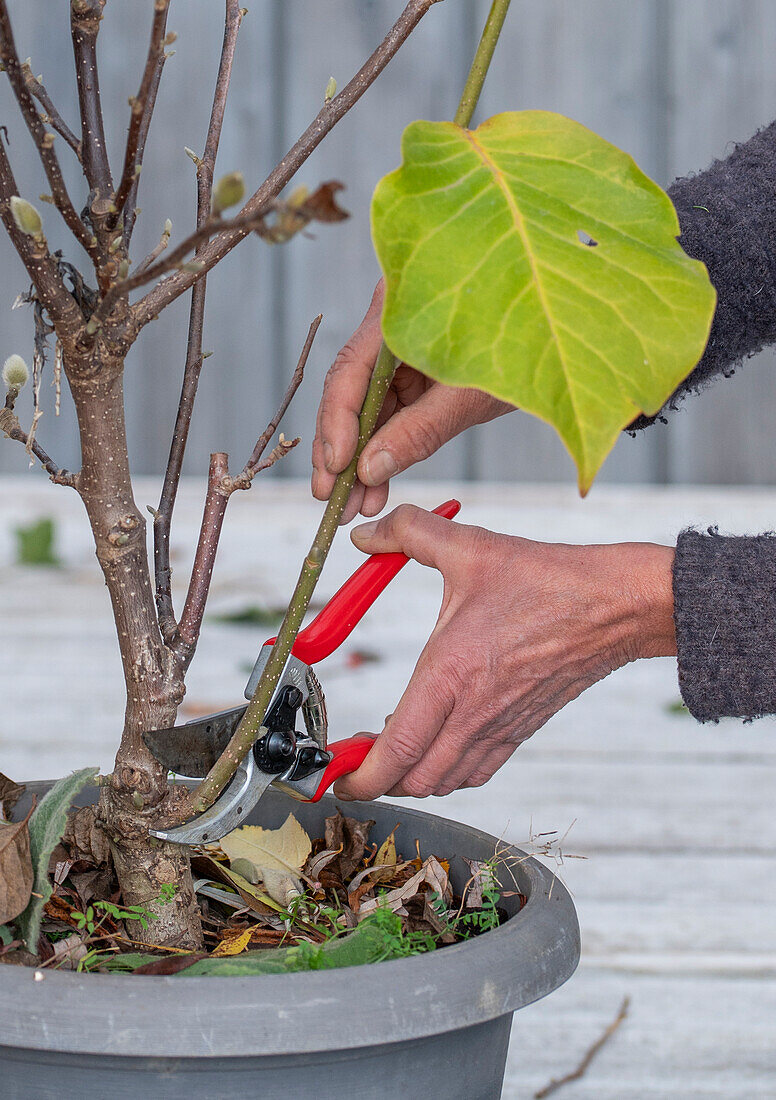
column 55, row 120
column 175, row 259
column 251, row 468
column 155, row 252
column 139, row 105
column 172, row 287
column 130, row 207
column 43, row 140
column 220, row 487
column 193, row 365
column 559, row 1082
column 10, row 427
column 85, row 26
column 250, row 725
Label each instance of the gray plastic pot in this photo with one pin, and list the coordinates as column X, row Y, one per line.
column 434, row 1025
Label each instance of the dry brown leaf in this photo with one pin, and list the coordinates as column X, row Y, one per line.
column 84, row 837
column 233, row 942
column 386, row 859
column 351, row 836
column 10, row 793
column 323, row 859
column 16, row 875
column 322, row 205
column 281, row 885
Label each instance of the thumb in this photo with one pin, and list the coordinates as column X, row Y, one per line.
column 424, row 536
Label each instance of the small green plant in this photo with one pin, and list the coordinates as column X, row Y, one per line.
column 35, row 543
column 90, row 922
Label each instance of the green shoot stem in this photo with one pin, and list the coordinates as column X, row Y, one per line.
column 250, row 727
column 481, row 63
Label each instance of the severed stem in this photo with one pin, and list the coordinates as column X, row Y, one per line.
column 205, row 168
column 330, row 114
column 85, row 16
column 140, row 104
column 385, row 367
column 54, row 118
column 44, row 141
column 220, row 487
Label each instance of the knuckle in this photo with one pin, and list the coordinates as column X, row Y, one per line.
column 477, row 779
column 402, row 519
column 403, row 748
column 417, row 787
column 422, row 436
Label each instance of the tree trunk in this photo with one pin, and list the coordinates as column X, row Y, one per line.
column 138, row 795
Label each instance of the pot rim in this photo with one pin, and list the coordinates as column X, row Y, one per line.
column 174, row 1016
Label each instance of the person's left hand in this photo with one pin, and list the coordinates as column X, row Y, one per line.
column 524, row 628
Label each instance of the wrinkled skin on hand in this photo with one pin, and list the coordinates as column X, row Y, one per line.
column 417, row 417
column 523, row 629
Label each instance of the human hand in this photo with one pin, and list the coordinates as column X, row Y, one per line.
column 417, row 417
column 523, row 629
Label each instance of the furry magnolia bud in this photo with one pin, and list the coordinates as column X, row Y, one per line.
column 15, row 373
column 26, row 217
column 229, row 190
column 331, row 90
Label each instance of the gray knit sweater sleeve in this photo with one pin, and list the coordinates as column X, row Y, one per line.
column 728, row 220
column 725, row 588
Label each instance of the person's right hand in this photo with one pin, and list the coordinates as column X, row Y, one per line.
column 417, row 417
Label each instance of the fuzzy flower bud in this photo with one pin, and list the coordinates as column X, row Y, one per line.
column 229, row 190
column 15, row 373
column 331, row 90
column 26, row 217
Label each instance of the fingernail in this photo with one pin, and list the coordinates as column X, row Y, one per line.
column 328, row 455
column 363, row 531
column 380, row 468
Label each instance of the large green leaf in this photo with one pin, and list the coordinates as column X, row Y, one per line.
column 46, row 826
column 482, row 235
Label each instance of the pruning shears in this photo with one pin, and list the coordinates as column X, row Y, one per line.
column 302, row 765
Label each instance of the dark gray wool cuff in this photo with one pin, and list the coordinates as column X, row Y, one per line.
column 725, row 615
column 728, row 220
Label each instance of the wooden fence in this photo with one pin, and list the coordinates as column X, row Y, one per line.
column 672, row 81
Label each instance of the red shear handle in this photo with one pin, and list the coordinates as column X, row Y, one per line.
column 348, row 756
column 344, row 611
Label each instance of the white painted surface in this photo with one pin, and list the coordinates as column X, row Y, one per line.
column 676, row 894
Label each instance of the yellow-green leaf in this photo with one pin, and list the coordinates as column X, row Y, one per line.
column 483, row 236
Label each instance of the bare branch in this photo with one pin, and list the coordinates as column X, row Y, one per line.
column 252, row 466
column 156, row 251
column 173, row 260
column 220, row 488
column 40, row 264
column 10, row 426
column 130, row 207
column 85, row 16
column 163, row 518
column 43, row 140
column 140, row 105
column 171, row 288
column 204, row 559
column 575, row 1075
column 53, row 116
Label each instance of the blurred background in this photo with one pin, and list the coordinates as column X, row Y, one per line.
column 674, row 82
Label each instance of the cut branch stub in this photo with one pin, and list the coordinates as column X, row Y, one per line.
column 583, row 337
